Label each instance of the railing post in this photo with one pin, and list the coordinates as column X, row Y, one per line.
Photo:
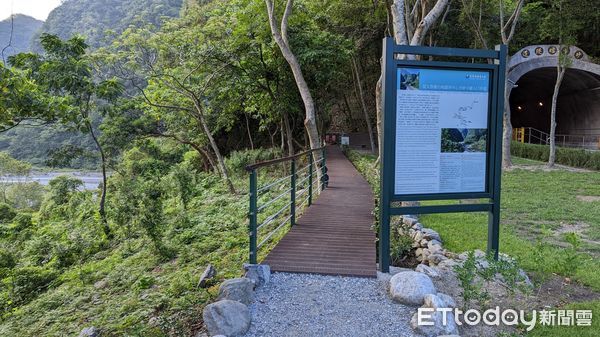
column 293, row 193
column 529, row 136
column 310, row 178
column 253, row 216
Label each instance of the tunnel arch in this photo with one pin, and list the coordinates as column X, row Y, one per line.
column 531, row 79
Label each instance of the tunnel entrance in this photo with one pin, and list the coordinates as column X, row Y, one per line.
column 532, row 75
column 578, row 108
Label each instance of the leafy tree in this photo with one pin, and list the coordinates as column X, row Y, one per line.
column 10, row 170
column 563, row 20
column 65, row 71
column 280, row 34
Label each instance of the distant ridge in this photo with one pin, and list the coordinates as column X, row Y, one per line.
column 100, row 20
column 25, row 27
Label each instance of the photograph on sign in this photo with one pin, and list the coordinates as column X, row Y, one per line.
column 441, row 130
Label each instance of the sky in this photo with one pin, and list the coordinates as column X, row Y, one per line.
column 39, row 9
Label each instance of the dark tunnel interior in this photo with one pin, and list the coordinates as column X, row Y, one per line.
column 578, row 107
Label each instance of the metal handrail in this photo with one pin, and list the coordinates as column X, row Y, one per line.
column 534, row 136
column 281, row 160
column 297, row 177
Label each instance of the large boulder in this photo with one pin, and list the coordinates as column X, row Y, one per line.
column 260, row 274
column 237, row 289
column 90, row 332
column 411, row 287
column 226, row 317
column 432, row 322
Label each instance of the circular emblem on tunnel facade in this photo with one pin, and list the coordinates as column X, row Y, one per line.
column 578, row 54
column 552, row 50
column 539, row 51
column 525, row 53
column 565, row 50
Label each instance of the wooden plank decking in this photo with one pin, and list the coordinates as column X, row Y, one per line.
column 334, row 235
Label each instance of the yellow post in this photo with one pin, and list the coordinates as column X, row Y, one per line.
column 521, row 135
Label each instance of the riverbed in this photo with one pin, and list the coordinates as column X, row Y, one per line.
column 91, row 180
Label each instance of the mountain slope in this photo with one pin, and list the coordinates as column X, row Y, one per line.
column 98, row 19
column 24, row 29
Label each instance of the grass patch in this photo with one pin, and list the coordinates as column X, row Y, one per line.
column 537, row 209
column 123, row 286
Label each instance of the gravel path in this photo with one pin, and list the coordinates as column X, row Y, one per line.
column 317, row 305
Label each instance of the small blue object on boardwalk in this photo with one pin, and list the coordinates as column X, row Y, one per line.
column 334, row 236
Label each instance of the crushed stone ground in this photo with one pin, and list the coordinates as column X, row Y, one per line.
column 318, row 305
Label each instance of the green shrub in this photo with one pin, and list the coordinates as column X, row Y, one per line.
column 27, row 282
column 7, row 262
column 26, row 195
column 21, row 221
column 238, row 160
column 7, row 213
column 565, row 156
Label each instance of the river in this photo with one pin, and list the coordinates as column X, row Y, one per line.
column 91, row 180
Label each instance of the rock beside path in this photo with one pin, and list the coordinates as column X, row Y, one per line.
column 226, row 317
column 237, row 289
column 433, row 323
column 260, row 274
column 411, row 287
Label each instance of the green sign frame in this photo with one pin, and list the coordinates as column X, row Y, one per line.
column 497, row 73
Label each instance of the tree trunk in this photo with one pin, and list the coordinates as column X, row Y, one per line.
column 215, row 148
column 507, row 31
column 288, row 134
column 249, row 133
column 560, row 73
column 282, row 134
column 401, row 37
column 102, row 208
column 363, row 104
column 348, row 111
column 506, row 119
column 281, row 38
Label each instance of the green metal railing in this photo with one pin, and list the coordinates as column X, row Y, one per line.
column 275, row 203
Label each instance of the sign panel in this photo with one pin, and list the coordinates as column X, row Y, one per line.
column 442, row 135
column 442, row 130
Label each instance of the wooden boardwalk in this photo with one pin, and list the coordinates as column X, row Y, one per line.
column 334, row 235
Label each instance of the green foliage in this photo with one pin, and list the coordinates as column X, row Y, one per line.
column 41, row 146
column 565, row 156
column 572, row 259
column 533, row 202
column 400, row 245
column 22, row 221
column 238, row 160
column 100, row 21
column 26, row 283
column 7, row 213
column 472, row 286
column 7, row 262
column 62, row 187
column 475, row 273
column 25, row 195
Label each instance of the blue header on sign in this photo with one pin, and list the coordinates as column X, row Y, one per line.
column 443, row 80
